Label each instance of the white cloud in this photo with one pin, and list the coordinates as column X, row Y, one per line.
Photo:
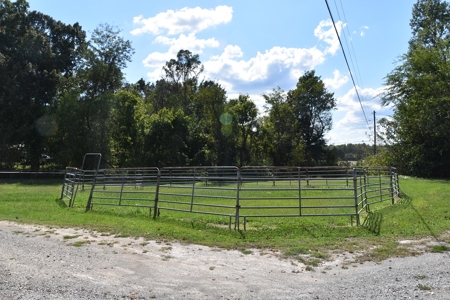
column 329, row 35
column 350, row 125
column 363, row 33
column 277, row 66
column 189, row 42
column 191, row 20
column 369, row 99
column 337, row 81
column 278, row 61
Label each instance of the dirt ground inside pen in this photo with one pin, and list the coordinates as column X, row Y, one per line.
column 39, row 262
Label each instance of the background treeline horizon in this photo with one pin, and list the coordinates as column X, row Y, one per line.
column 63, row 95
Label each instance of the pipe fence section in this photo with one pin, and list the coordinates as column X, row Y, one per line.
column 72, row 179
column 248, row 192
column 136, row 187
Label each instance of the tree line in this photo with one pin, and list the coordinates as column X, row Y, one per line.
column 62, row 95
column 417, row 136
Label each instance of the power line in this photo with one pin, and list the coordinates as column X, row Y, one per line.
column 359, row 78
column 346, row 61
column 351, row 51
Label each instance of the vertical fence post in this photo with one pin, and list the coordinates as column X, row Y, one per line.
column 158, row 180
column 355, row 190
column 380, row 184
column 307, row 178
column 75, row 185
column 299, row 191
column 193, row 190
column 121, row 187
column 397, row 185
column 64, row 185
column 346, row 177
column 238, row 206
column 365, row 183
column 391, row 186
column 89, row 203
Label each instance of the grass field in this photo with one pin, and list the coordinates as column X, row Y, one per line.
column 424, row 210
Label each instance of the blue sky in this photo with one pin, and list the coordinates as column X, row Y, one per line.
column 251, row 47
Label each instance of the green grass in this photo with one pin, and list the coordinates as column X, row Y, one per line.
column 424, row 211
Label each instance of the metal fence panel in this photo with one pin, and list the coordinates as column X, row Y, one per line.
column 248, row 192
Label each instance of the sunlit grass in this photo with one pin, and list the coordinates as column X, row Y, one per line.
column 424, row 211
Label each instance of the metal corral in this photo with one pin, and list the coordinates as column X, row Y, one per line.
column 248, row 192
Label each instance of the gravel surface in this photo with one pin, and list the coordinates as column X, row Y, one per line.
column 38, row 262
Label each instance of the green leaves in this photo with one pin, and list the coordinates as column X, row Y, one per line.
column 419, row 88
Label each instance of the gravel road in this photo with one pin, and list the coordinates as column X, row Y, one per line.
column 38, row 262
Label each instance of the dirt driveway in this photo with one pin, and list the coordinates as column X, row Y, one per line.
column 38, row 262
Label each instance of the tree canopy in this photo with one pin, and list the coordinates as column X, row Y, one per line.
column 419, row 90
column 63, row 95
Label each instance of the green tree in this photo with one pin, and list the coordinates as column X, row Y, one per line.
column 419, row 90
column 37, row 53
column 182, row 73
column 312, row 105
column 165, row 142
column 430, row 23
column 128, row 125
column 99, row 77
column 212, row 122
column 282, row 141
column 245, row 113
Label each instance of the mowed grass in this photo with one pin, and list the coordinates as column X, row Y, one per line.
column 423, row 211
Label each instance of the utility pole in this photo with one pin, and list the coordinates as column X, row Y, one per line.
column 374, row 134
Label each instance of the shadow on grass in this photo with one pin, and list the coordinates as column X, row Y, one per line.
column 61, row 203
column 441, row 246
column 51, row 182
column 373, row 222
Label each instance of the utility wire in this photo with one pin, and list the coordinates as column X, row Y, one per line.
column 346, row 61
column 345, row 40
column 359, row 79
column 358, row 73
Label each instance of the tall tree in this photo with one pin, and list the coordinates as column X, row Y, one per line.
column 245, row 113
column 36, row 54
column 99, row 77
column 129, row 126
column 419, row 90
column 210, row 114
column 283, row 142
column 430, row 23
column 312, row 105
column 183, row 74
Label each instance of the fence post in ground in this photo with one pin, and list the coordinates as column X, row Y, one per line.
column 355, row 190
column 238, row 206
column 121, row 188
column 64, row 184
column 299, row 191
column 391, row 186
column 158, row 180
column 307, row 178
column 365, row 182
column 89, row 205
column 193, row 190
column 396, row 183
